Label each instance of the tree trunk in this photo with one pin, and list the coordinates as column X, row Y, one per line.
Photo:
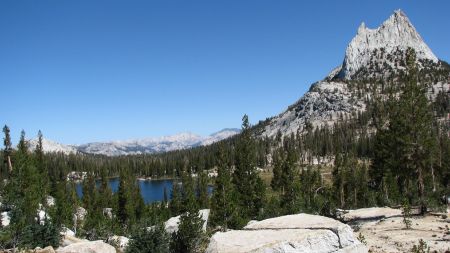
column 433, row 178
column 9, row 164
column 421, row 187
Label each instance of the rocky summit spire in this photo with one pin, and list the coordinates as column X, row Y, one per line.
column 396, row 33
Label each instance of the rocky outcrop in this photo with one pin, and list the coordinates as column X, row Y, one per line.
column 5, row 219
column 323, row 104
column 396, row 33
column 390, row 234
column 48, row 249
column 372, row 213
column 373, row 54
column 120, row 242
column 171, row 225
column 87, row 247
column 291, row 233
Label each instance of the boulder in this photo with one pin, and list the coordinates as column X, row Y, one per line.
column 80, row 214
column 372, row 213
column 69, row 240
column 390, row 235
column 48, row 249
column 87, row 247
column 5, row 219
column 291, row 233
column 171, row 225
column 50, row 201
column 120, row 242
column 108, row 212
column 67, row 232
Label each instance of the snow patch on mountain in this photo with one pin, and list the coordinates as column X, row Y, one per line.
column 50, row 146
column 155, row 145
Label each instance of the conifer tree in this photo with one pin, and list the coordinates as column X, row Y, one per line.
column 122, row 199
column 147, row 240
column 22, row 194
column 405, row 149
column 175, row 201
column 278, row 160
column 43, row 175
column 39, row 151
column 202, row 185
column 22, row 147
column 223, row 207
column 104, row 190
column 189, row 237
column 165, row 197
column 249, row 186
column 7, row 151
column 289, row 188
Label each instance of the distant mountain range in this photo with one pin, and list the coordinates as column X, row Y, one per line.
column 139, row 146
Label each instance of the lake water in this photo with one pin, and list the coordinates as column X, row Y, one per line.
column 151, row 190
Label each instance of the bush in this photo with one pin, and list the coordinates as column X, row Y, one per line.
column 40, row 235
column 406, row 215
column 422, row 247
column 154, row 240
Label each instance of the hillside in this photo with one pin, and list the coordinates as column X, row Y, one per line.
column 374, row 59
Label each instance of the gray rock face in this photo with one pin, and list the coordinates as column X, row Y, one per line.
column 321, row 105
column 371, row 213
column 396, row 33
column 291, row 233
column 87, row 247
column 171, row 225
column 372, row 54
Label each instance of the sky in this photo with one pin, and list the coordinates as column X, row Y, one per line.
column 98, row 70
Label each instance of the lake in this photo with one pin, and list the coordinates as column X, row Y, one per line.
column 151, row 190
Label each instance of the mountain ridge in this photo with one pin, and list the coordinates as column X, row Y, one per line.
column 371, row 57
column 183, row 140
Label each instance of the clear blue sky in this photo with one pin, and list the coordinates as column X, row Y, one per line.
column 84, row 71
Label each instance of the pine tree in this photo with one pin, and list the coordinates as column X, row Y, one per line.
column 43, row 175
column 122, row 199
column 249, row 186
column 175, row 201
column 7, row 151
column 339, row 179
column 278, row 160
column 190, row 237
column 223, row 207
column 91, row 201
column 202, row 185
column 310, row 184
column 22, row 193
column 289, row 189
column 39, row 151
column 414, row 123
column 104, row 190
column 22, row 147
column 147, row 240
column 165, row 197
column 405, row 149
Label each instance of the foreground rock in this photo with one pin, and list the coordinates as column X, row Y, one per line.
column 120, row 242
column 171, row 225
column 372, row 213
column 87, row 247
column 291, row 233
column 390, row 235
column 48, row 249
